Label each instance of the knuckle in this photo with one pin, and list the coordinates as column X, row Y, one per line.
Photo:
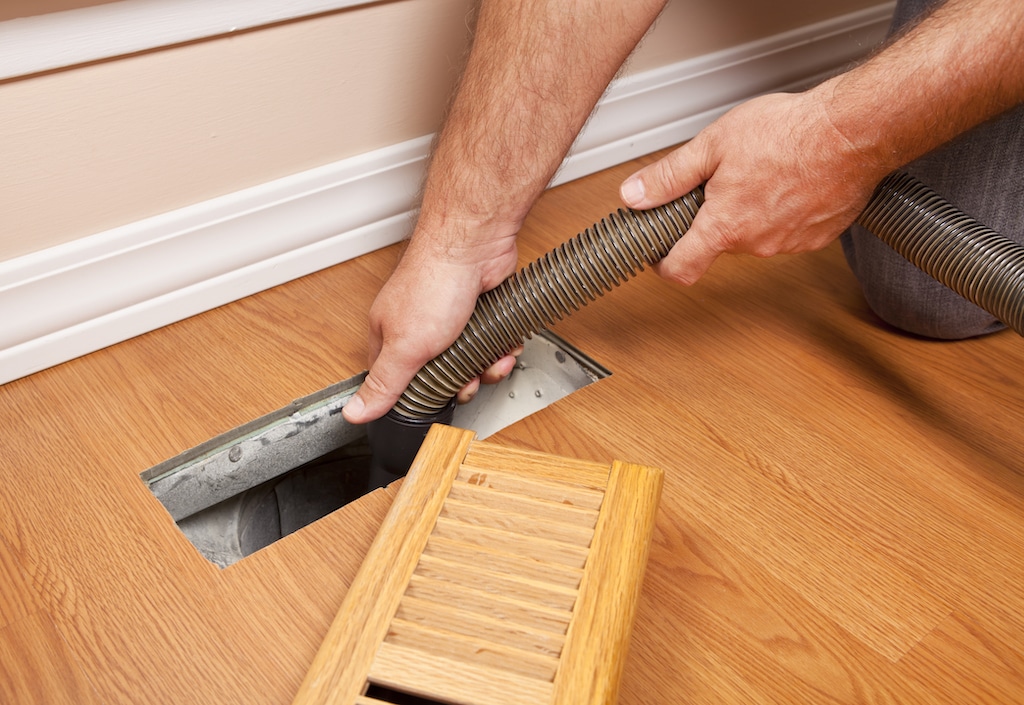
column 719, row 235
column 662, row 175
column 673, row 269
column 763, row 249
column 378, row 387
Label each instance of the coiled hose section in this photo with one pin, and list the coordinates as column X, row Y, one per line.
column 983, row 266
column 976, row 262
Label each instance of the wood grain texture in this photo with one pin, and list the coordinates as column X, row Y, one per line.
column 842, row 517
column 540, row 631
column 485, row 625
column 36, row 667
column 17, row 599
column 338, row 672
column 598, row 636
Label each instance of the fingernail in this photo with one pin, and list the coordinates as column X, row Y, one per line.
column 353, row 409
column 632, row 191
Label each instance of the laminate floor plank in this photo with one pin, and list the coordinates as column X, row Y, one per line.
column 17, row 599
column 113, row 569
column 734, row 615
column 36, row 667
column 969, row 660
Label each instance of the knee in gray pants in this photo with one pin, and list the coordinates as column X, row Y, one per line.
column 981, row 173
column 907, row 298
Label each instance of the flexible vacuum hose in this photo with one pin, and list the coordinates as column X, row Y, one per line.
column 983, row 266
column 976, row 262
column 562, row 281
column 545, row 291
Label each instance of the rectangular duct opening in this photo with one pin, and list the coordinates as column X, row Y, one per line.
column 258, row 483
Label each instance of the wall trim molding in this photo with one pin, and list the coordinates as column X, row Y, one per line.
column 57, row 40
column 59, row 304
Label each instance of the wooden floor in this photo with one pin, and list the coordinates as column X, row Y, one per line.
column 842, row 518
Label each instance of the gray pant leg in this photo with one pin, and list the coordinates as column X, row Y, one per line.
column 982, row 173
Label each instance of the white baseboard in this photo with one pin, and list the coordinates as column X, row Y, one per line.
column 72, row 299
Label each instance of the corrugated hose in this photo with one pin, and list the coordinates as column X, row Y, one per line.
column 981, row 265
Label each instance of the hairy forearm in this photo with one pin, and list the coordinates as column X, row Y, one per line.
column 955, row 69
column 534, row 74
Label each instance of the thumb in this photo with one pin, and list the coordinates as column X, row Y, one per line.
column 381, row 388
column 675, row 174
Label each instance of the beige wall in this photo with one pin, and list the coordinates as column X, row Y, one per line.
column 690, row 28
column 94, row 147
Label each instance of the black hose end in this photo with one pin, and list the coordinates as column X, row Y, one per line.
column 394, row 442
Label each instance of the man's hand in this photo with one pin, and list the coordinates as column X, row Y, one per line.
column 788, row 173
column 418, row 313
column 779, row 179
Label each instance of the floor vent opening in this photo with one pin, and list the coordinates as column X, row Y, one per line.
column 252, row 486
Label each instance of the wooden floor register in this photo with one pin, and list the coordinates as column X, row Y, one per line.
column 498, row 577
